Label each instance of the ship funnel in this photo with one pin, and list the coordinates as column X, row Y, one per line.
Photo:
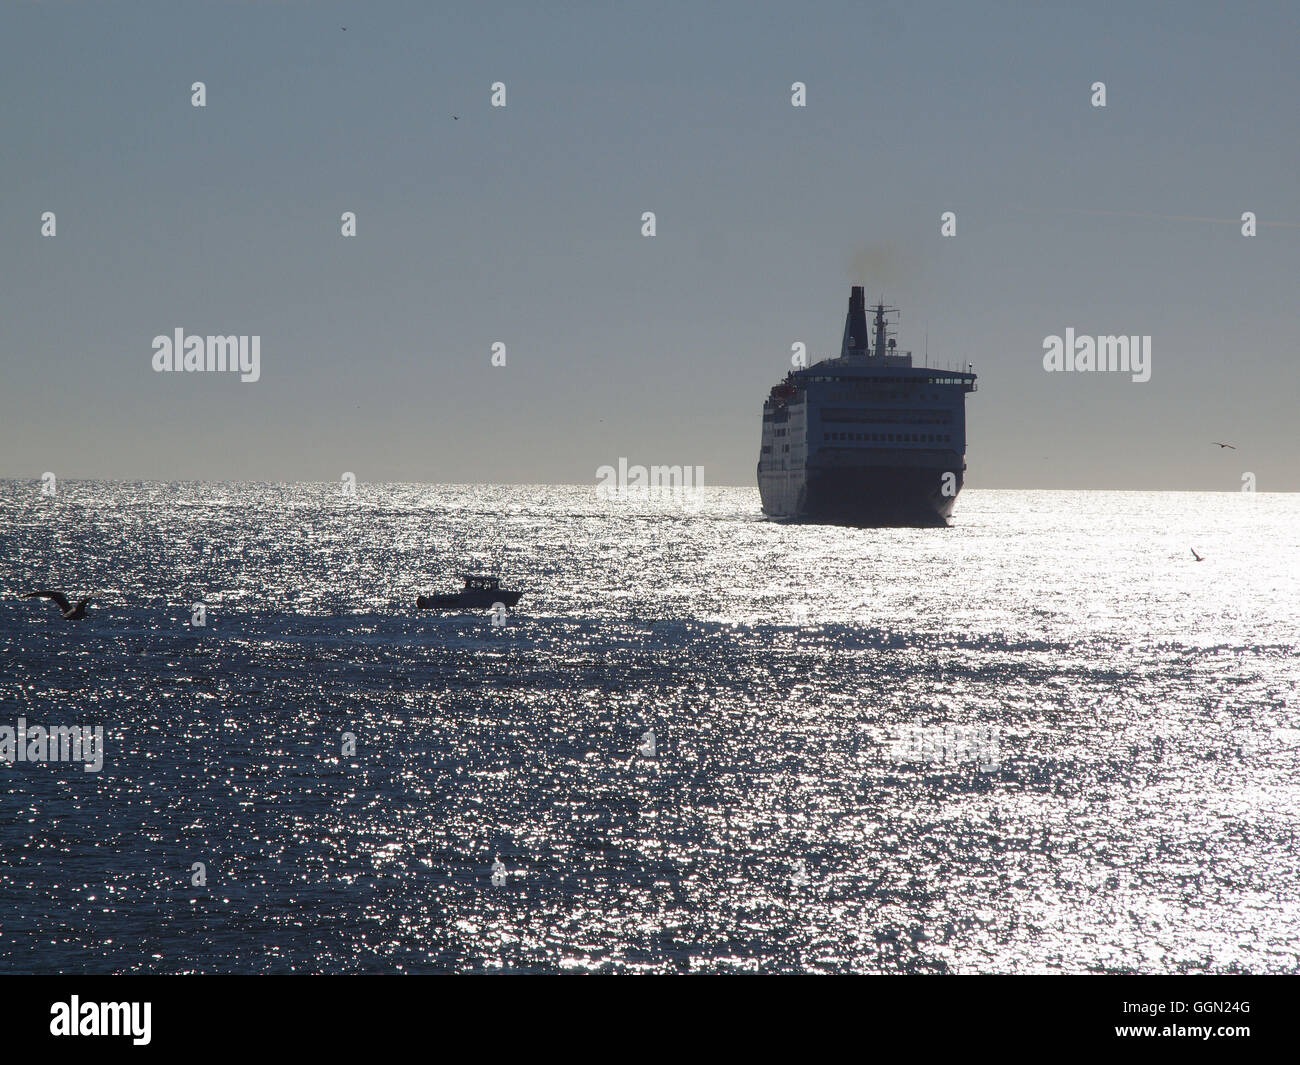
column 856, row 341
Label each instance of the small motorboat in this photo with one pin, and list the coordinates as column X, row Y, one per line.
column 480, row 590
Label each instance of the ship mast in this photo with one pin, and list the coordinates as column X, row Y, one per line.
column 881, row 341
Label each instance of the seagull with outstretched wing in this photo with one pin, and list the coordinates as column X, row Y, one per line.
column 1222, row 445
column 1199, row 558
column 68, row 610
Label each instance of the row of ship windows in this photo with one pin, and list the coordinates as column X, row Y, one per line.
column 860, row 395
column 888, row 417
column 884, row 438
column 859, row 381
column 919, row 438
column 913, row 416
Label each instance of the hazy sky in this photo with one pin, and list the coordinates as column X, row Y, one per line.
column 522, row 225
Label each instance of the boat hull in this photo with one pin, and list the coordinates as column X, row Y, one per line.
column 475, row 600
column 912, row 496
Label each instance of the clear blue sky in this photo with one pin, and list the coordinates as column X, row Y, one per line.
column 522, row 225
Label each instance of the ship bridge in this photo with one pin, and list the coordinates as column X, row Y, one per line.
column 876, row 358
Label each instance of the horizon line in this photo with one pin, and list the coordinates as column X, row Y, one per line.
column 589, row 484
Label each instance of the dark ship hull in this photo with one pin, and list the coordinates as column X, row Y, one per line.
column 906, row 496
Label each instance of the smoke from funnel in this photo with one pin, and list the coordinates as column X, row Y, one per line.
column 880, row 267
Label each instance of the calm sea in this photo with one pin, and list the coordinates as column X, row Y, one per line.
column 1045, row 739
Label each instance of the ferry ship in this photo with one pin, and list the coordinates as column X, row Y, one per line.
column 867, row 438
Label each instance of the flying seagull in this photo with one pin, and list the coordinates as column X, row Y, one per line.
column 1233, row 446
column 72, row 613
column 1199, row 558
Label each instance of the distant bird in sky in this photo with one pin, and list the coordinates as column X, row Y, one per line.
column 72, row 613
column 344, row 29
column 1199, row 558
column 1233, row 446
column 455, row 118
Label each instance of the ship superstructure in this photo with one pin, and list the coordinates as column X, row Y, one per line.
column 866, row 438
